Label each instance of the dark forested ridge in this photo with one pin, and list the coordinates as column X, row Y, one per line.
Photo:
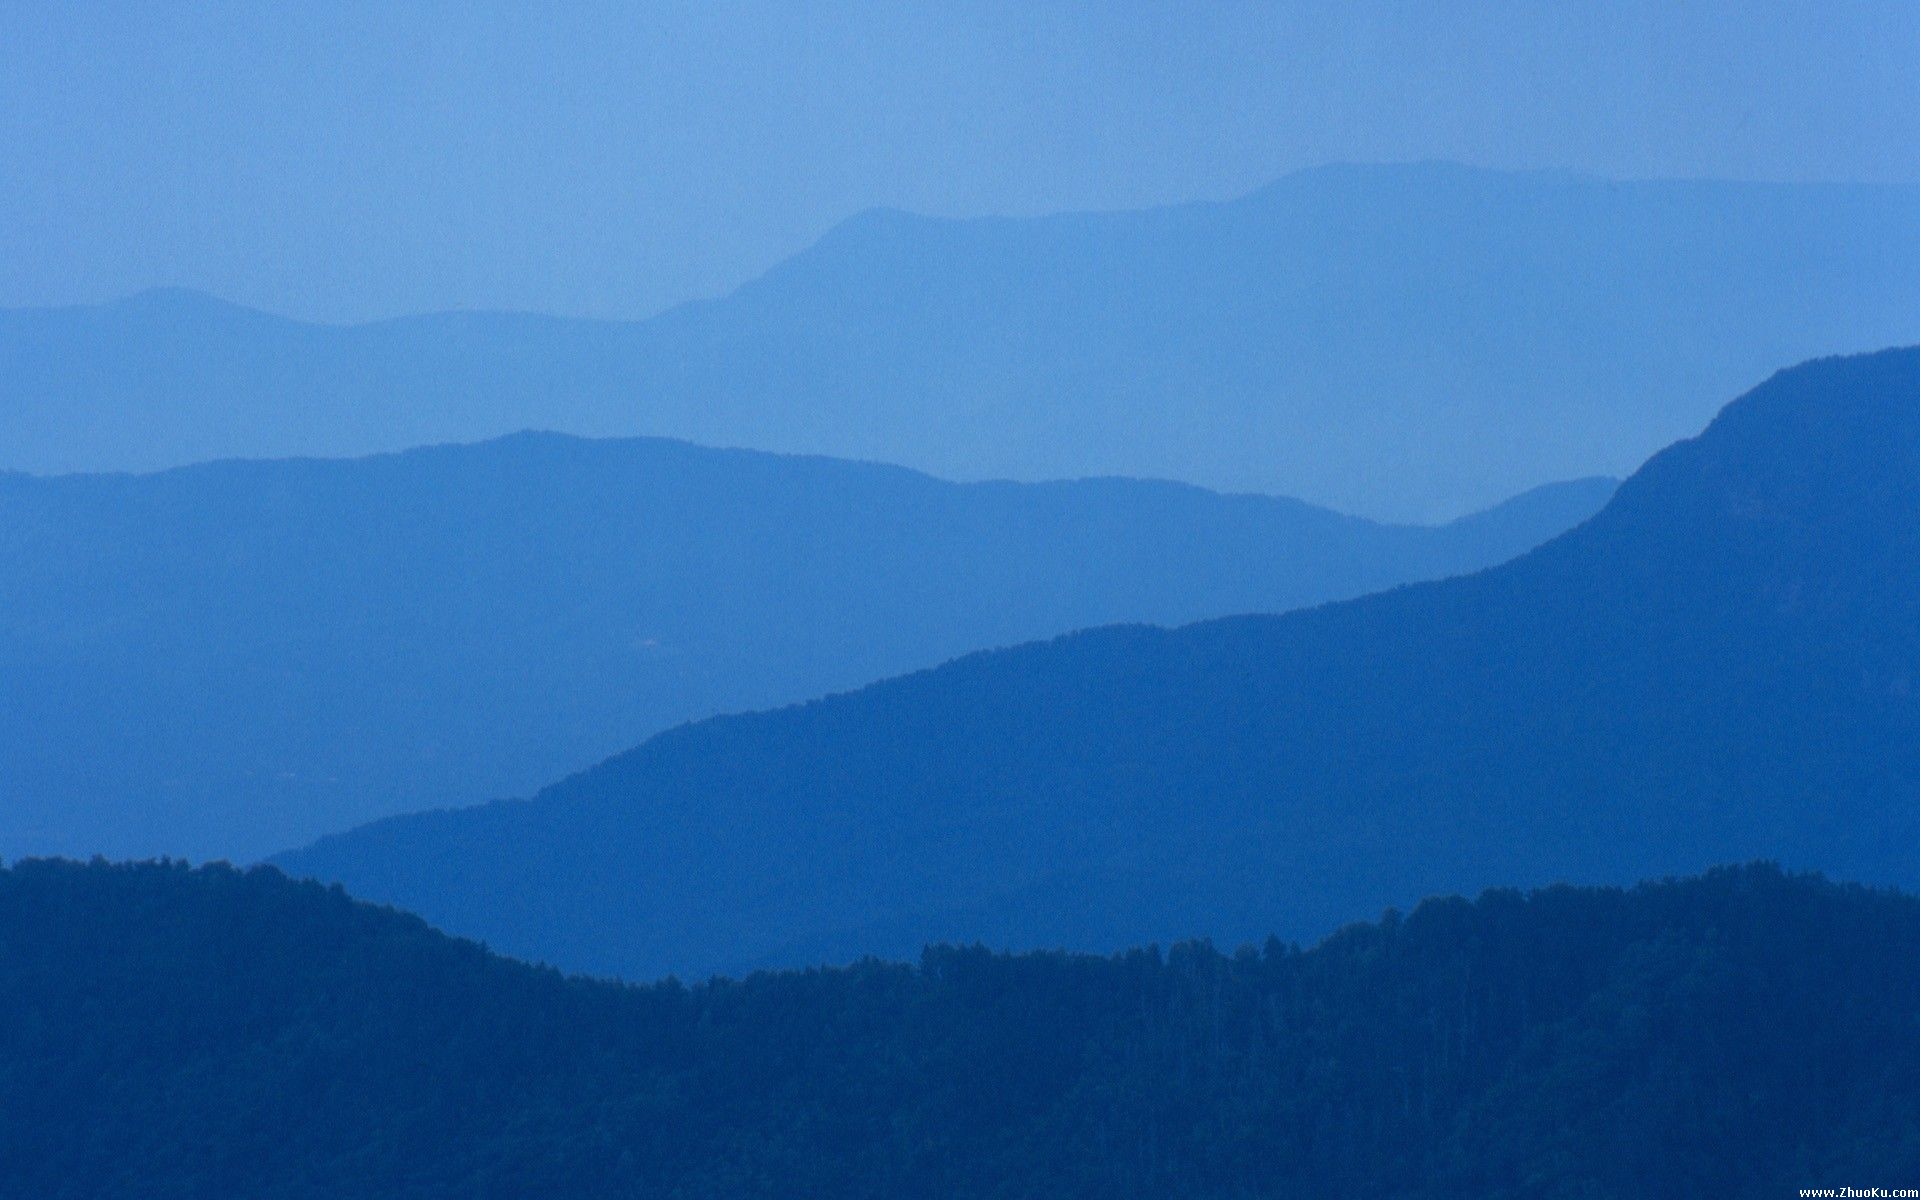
column 228, row 659
column 172, row 1033
column 1409, row 341
column 1720, row 666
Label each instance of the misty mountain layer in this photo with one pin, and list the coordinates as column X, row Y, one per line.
column 1406, row 342
column 1721, row 665
column 229, row 659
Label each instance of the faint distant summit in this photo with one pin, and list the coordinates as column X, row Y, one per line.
column 1405, row 342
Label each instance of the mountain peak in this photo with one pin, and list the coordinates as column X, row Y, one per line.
column 1822, row 444
column 1719, row 666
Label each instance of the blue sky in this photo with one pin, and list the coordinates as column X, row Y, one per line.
column 348, row 160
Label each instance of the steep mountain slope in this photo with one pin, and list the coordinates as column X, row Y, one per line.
column 1406, row 342
column 1719, row 665
column 228, row 659
column 176, row 1034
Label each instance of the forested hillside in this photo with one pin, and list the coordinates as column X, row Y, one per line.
column 172, row 1033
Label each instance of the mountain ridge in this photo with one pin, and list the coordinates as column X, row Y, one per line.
column 221, row 660
column 1409, row 343
column 1652, row 1041
column 1711, row 668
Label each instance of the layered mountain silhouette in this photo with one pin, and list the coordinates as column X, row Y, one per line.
column 177, row 1034
column 1405, row 342
column 226, row 660
column 1720, row 665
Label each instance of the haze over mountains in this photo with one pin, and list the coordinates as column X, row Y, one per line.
column 1718, row 666
column 226, row 660
column 1405, row 342
column 846, row 600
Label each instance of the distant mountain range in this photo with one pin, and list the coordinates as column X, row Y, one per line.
column 1719, row 666
column 226, row 660
column 210, row 1034
column 1405, row 342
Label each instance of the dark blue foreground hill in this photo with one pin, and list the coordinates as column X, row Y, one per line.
column 224, row 660
column 182, row 1035
column 1724, row 664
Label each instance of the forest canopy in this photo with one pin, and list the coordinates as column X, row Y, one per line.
column 176, row 1032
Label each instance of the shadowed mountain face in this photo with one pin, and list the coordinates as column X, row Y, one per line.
column 229, row 659
column 176, row 1034
column 1719, row 665
column 1407, row 342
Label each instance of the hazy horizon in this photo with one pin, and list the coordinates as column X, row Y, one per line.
column 613, row 160
column 219, row 298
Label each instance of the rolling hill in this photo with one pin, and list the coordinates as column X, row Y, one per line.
column 181, row 1034
column 224, row 660
column 1720, row 665
column 1404, row 342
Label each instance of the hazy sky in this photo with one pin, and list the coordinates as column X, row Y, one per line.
column 350, row 160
